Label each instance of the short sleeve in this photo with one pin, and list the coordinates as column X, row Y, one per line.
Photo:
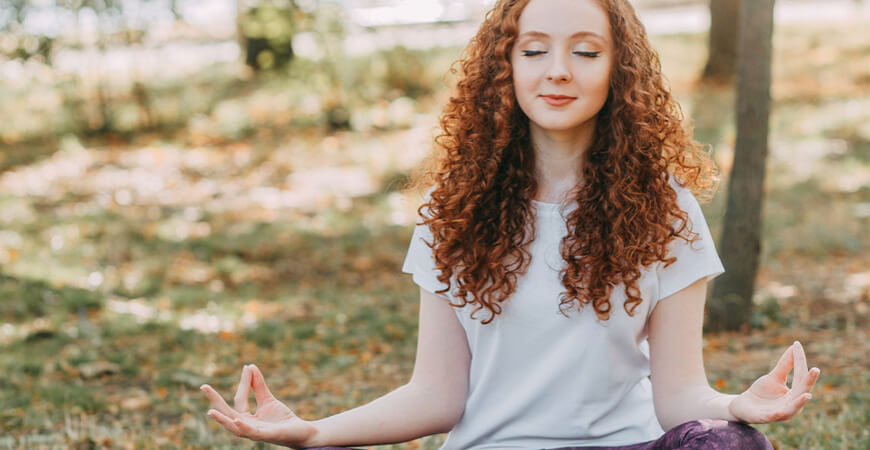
column 419, row 261
column 695, row 260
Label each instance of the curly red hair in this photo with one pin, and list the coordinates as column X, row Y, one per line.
column 480, row 211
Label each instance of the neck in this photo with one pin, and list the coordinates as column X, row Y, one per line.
column 559, row 159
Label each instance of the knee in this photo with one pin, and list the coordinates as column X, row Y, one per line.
column 723, row 435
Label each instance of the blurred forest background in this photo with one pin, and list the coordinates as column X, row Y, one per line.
column 187, row 186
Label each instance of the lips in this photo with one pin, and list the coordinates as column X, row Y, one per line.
column 558, row 100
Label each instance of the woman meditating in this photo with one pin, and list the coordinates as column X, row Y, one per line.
column 562, row 259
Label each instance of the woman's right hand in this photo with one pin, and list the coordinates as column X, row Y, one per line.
column 273, row 422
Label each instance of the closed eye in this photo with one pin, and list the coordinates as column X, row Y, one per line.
column 538, row 52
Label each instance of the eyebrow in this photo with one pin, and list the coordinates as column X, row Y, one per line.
column 579, row 33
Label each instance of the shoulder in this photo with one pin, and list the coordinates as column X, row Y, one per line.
column 685, row 198
column 678, row 186
column 424, row 203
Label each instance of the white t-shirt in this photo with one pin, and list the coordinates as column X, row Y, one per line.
column 539, row 379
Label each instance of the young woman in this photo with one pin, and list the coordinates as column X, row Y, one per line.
column 562, row 260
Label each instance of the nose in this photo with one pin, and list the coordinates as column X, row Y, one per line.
column 558, row 69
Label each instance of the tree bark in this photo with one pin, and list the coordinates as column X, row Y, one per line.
column 724, row 32
column 731, row 303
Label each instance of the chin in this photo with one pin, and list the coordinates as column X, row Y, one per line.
column 557, row 126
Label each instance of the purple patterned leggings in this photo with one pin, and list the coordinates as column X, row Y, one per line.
column 707, row 434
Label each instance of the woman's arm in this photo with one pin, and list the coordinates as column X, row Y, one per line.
column 680, row 389
column 681, row 392
column 432, row 402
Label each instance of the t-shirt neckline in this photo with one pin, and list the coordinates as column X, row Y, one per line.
column 548, row 208
column 546, row 203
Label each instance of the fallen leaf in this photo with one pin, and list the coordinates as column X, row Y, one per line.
column 97, row 368
column 141, row 401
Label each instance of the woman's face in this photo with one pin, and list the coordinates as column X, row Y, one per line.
column 564, row 48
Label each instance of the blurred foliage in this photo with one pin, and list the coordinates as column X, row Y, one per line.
column 265, row 31
column 26, row 46
column 324, row 89
column 376, row 91
column 18, row 43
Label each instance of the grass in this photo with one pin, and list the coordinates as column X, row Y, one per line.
column 166, row 288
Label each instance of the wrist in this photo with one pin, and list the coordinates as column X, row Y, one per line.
column 715, row 405
column 315, row 435
column 723, row 403
column 731, row 409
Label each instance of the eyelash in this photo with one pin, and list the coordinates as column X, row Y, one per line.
column 537, row 52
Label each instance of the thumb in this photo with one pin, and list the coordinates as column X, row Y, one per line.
column 261, row 391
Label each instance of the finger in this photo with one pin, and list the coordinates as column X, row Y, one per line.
column 244, row 390
column 225, row 421
column 800, row 365
column 217, row 402
column 786, row 409
column 250, row 431
column 261, row 391
column 783, row 366
column 802, row 388
column 812, row 378
column 800, row 402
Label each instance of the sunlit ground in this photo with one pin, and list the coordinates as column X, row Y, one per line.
column 135, row 270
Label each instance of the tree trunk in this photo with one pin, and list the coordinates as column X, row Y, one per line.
column 264, row 51
column 731, row 305
column 721, row 61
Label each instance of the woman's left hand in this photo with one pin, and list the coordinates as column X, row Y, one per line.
column 769, row 399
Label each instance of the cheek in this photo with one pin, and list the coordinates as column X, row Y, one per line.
column 597, row 82
column 522, row 79
column 524, row 94
column 525, row 75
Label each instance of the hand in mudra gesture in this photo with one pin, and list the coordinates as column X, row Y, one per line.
column 273, row 422
column 769, row 399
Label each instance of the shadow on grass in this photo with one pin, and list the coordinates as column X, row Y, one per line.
column 27, row 152
column 23, row 298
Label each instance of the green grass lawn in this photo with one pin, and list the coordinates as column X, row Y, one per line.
column 134, row 271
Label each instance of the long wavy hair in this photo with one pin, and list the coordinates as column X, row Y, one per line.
column 481, row 177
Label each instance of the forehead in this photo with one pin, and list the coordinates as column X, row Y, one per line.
column 563, row 18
